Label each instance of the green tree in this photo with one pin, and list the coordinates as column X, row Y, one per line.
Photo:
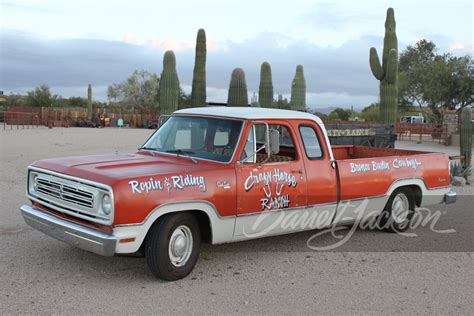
column 340, row 114
column 140, row 90
column 437, row 81
column 77, row 102
column 321, row 115
column 41, row 96
column 370, row 113
column 15, row 100
column 184, row 100
column 61, row 102
column 282, row 103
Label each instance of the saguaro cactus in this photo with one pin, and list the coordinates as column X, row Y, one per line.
column 237, row 89
column 298, row 91
column 466, row 137
column 89, row 102
column 169, row 85
column 198, row 93
column 265, row 90
column 387, row 73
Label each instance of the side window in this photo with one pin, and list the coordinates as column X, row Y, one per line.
column 256, row 139
column 249, row 150
column 311, row 142
column 287, row 145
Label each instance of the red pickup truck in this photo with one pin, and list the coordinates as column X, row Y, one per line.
column 221, row 175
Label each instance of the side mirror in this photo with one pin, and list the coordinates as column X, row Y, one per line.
column 274, row 141
column 271, row 145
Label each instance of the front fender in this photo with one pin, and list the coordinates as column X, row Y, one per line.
column 133, row 235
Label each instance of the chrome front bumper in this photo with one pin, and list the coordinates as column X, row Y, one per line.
column 72, row 234
column 450, row 197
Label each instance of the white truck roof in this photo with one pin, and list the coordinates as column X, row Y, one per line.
column 250, row 113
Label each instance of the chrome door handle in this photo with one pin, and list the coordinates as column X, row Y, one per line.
column 297, row 171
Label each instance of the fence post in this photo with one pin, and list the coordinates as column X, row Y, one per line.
column 421, row 134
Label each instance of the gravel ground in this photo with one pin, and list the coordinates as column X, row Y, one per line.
column 373, row 273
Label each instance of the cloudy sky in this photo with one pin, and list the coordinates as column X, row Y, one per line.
column 68, row 44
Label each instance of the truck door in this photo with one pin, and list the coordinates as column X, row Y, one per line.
column 321, row 173
column 266, row 188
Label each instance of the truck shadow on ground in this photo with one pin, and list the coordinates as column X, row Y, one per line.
column 229, row 259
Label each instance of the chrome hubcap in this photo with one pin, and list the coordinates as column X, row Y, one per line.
column 400, row 208
column 180, row 246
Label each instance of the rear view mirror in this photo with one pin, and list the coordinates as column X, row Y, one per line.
column 274, row 141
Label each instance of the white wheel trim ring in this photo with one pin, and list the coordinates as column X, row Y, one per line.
column 180, row 246
column 400, row 208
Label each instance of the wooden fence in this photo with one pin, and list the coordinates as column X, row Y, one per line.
column 437, row 132
column 10, row 120
column 74, row 116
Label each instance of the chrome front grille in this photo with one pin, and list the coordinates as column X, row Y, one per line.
column 71, row 195
column 65, row 192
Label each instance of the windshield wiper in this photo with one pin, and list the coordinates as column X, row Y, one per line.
column 152, row 150
column 147, row 148
column 183, row 153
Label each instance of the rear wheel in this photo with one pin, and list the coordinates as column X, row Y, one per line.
column 173, row 245
column 398, row 212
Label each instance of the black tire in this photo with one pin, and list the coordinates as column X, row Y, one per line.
column 157, row 248
column 389, row 221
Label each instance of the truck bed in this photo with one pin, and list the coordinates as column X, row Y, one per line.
column 368, row 171
column 344, row 152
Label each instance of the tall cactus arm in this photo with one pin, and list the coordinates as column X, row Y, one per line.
column 392, row 66
column 375, row 66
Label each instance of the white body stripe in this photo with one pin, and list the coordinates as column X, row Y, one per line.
column 231, row 229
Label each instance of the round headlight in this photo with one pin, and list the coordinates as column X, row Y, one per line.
column 106, row 204
column 35, row 184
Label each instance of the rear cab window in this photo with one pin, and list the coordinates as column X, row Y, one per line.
column 311, row 142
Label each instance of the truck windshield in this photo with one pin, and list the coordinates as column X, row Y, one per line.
column 197, row 137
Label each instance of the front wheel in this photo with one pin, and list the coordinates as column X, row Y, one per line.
column 173, row 245
column 398, row 212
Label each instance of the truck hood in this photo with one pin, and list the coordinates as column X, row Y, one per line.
column 109, row 169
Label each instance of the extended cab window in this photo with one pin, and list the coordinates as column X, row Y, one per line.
column 256, row 139
column 311, row 142
column 200, row 137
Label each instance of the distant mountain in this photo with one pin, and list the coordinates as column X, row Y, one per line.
column 326, row 110
column 329, row 109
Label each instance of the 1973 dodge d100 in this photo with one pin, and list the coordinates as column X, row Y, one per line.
column 220, row 175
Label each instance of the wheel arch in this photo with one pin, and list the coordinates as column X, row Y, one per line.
column 214, row 228
column 417, row 185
